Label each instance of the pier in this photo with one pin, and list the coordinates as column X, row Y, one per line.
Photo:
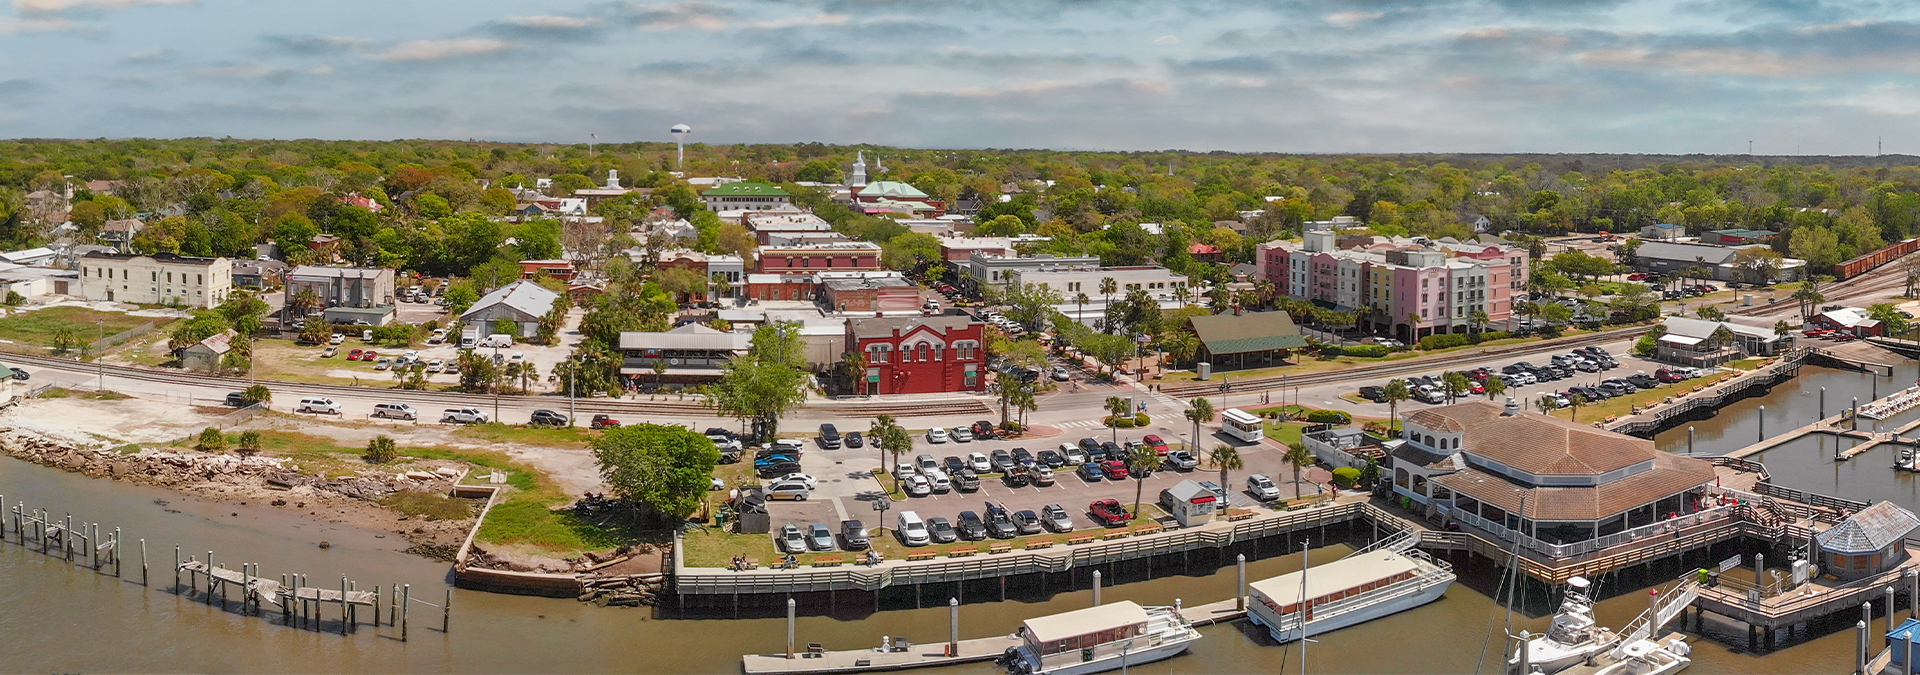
column 1665, row 414
column 1768, row 607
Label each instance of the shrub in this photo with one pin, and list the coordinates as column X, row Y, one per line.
column 381, row 450
column 256, row 394
column 1329, row 417
column 249, row 441
column 1443, row 341
column 1495, row 335
column 1346, row 476
column 1141, row 420
column 1124, row 423
column 1367, row 351
column 211, row 440
column 1646, row 345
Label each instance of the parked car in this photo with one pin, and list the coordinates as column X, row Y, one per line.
column 1089, row 446
column 236, row 399
column 1051, row 459
column 1115, row 469
column 801, row 478
column 961, row 435
column 1262, row 488
column 318, row 404
column 1073, row 454
column 971, row 527
column 354, row 354
column 1000, row 523
column 336, row 339
column 1643, row 381
column 791, row 540
column 978, row 462
column 1182, row 460
column 855, row 440
column 940, row 531
column 1217, row 490
column 966, row 481
column 1060, row 374
column 1372, row 393
column 829, row 436
column 1109, row 512
column 819, row 538
column 937, row 480
column 1055, row 518
column 1027, row 522
column 549, row 418
column 953, row 464
column 936, row 435
column 1091, row 472
column 854, row 534
column 395, row 410
column 1002, row 460
column 983, row 430
column 923, row 462
column 917, row 486
column 1158, row 444
column 911, row 529
column 436, row 366
column 1022, row 457
column 603, row 422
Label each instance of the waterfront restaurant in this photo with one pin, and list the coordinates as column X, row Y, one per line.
column 1553, row 485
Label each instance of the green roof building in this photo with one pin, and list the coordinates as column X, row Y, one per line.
column 747, row 196
column 1232, row 341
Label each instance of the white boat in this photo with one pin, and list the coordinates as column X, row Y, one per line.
column 1639, row 656
column 1353, row 590
column 1571, row 637
column 1099, row 639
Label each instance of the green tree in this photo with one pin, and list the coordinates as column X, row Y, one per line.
column 381, row 450
column 1395, row 391
column 1116, row 407
column 887, row 435
column 1142, row 461
column 1299, row 457
column 1809, row 297
column 1456, row 385
column 1030, row 304
column 766, row 382
column 211, row 440
column 667, row 468
column 907, row 251
column 1496, row 387
column 1889, row 316
column 249, row 442
column 1198, row 410
column 256, row 394
column 1225, row 458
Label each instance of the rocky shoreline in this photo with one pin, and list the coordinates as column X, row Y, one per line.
column 350, row 500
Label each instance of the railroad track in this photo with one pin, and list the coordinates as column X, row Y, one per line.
column 582, row 405
column 1886, row 277
column 1417, row 365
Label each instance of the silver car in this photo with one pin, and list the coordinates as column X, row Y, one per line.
column 791, row 541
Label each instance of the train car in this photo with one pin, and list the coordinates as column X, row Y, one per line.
column 1863, row 264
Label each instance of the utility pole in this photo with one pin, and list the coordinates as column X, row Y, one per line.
column 573, row 376
column 99, row 364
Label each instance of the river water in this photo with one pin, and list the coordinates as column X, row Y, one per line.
column 64, row 618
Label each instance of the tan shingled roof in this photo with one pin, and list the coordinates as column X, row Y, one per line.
column 1536, row 443
column 1671, row 475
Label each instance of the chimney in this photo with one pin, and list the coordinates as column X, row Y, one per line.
column 1513, row 408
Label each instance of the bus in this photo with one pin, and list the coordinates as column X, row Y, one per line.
column 1242, row 425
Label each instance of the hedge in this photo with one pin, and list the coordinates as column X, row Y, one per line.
column 1368, row 351
column 1329, row 417
column 1123, row 423
column 1346, row 476
column 1443, row 341
column 1141, row 420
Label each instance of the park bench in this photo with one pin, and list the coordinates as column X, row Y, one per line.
column 922, row 555
column 1082, row 538
column 829, row 561
column 1001, row 547
column 1038, row 544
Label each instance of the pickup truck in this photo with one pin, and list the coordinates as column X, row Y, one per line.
column 463, row 416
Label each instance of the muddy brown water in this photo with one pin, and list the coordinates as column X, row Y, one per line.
column 68, row 619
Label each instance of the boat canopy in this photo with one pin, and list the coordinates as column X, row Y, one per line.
column 1336, row 576
column 1086, row 627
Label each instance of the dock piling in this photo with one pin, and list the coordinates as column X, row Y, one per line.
column 143, row 562
column 1889, row 616
column 1762, row 419
column 1689, row 440
column 176, row 568
column 406, row 597
column 446, row 613
column 790, row 606
column 1096, row 588
column 1240, row 589
column 1823, row 403
column 1860, row 649
column 344, row 606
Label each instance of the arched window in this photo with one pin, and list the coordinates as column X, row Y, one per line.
column 1400, row 477
column 923, row 352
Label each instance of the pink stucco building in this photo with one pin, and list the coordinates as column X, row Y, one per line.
column 1409, row 288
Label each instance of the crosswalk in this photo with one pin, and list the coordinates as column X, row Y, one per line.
column 1080, row 424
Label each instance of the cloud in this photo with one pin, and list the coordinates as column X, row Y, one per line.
column 1352, row 19
column 55, row 6
column 551, row 22
column 312, row 45
column 19, row 26
column 257, row 72
column 1167, row 40
column 677, row 15
column 440, row 50
column 803, row 21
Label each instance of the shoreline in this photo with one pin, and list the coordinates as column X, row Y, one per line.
column 259, row 481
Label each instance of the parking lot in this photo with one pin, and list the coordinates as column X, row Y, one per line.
column 847, row 488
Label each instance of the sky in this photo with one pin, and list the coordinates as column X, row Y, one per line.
column 1336, row 76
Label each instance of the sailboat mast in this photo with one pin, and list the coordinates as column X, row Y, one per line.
column 1304, row 600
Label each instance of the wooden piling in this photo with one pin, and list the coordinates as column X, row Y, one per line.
column 143, row 563
column 446, row 613
column 176, row 568
column 406, row 600
column 343, row 605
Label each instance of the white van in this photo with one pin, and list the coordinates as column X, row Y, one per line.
column 497, row 340
column 398, row 411
column 318, row 405
column 792, row 489
column 912, row 530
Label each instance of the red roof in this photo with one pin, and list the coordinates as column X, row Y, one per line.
column 1202, row 248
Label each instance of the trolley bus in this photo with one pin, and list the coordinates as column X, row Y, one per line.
column 1242, row 425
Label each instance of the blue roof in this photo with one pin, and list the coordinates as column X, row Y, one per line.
column 1905, row 630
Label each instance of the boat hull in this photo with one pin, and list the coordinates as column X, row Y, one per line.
column 1164, row 651
column 1362, row 615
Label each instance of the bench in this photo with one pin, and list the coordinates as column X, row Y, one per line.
column 1000, row 548
column 1116, row 534
column 829, row 561
column 1082, row 538
column 961, row 551
column 1239, row 515
column 1038, row 544
column 751, row 564
column 923, row 555
column 1148, row 528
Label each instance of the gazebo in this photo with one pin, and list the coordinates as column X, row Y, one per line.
column 1867, row 543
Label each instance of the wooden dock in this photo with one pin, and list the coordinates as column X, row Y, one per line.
column 821, row 662
column 1779, row 607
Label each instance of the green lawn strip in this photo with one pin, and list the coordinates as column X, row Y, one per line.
column 563, row 437
column 1623, row 405
column 1313, row 364
column 38, row 326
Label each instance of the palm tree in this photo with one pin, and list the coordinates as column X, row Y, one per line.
column 1809, row 297
column 1079, row 315
column 1225, row 458
column 1456, row 383
column 1395, row 392
column 1265, row 291
column 1142, row 460
column 1107, row 288
column 1413, row 328
column 881, row 431
column 1573, row 403
column 855, row 365
column 1495, row 386
column 1299, row 456
column 1478, row 321
column 1117, row 406
column 1546, row 405
column 1198, row 410
column 1781, row 327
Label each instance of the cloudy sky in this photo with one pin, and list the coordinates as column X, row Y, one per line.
column 1681, row 76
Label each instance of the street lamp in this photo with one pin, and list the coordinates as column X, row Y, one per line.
column 573, row 376
column 99, row 363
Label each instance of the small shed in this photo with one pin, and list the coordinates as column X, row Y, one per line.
column 1190, row 503
column 750, row 510
column 1867, row 543
column 205, row 356
column 1897, row 642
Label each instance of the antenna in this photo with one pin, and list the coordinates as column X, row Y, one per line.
column 1749, row 147
column 1879, row 146
column 680, row 132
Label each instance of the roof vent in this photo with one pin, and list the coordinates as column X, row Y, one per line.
column 1512, row 408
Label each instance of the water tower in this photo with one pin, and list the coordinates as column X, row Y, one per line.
column 680, row 132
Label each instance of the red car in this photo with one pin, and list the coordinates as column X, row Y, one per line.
column 1665, row 375
column 1109, row 512
column 1154, row 441
column 369, row 355
column 1637, row 276
column 1479, row 374
column 1115, row 469
column 353, row 355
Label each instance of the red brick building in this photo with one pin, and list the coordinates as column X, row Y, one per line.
column 920, row 354
column 845, row 256
column 558, row 269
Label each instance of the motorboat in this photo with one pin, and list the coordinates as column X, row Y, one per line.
column 1353, row 590
column 1112, row 636
column 1571, row 638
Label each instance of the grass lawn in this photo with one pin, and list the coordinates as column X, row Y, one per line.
column 1623, row 405
column 1745, row 364
column 559, row 437
column 37, row 327
column 523, row 517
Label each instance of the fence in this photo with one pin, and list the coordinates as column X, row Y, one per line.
column 121, row 337
column 1580, row 548
column 1649, row 422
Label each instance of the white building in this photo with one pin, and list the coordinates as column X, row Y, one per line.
column 997, row 271
column 159, row 279
column 1166, row 287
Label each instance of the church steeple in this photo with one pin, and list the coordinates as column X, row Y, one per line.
column 859, row 177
